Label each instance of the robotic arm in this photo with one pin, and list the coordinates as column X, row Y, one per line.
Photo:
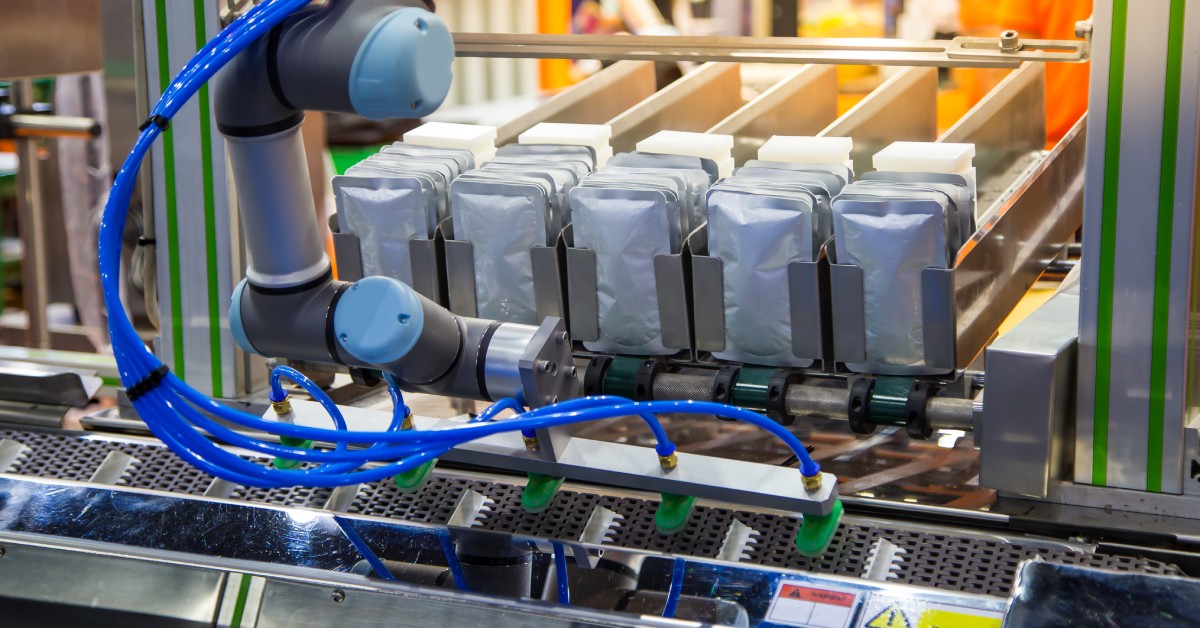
column 379, row 59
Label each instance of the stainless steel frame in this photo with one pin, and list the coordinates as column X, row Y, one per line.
column 179, row 557
column 971, row 52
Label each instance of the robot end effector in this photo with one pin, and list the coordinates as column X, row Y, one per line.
column 380, row 59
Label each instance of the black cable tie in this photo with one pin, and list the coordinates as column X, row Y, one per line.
column 148, row 383
column 144, row 241
column 160, row 121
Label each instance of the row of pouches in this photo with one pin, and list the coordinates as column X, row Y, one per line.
column 639, row 206
column 393, row 197
column 894, row 225
column 512, row 204
column 766, row 217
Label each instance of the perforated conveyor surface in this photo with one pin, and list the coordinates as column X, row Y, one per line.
column 945, row 559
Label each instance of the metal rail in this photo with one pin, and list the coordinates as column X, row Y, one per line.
column 967, row 52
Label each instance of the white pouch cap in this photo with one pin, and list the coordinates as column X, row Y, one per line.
column 718, row 148
column 479, row 139
column 796, row 149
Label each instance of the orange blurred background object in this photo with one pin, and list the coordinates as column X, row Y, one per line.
column 554, row 18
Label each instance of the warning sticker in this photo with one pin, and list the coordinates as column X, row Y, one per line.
column 890, row 617
column 892, row 612
column 812, row 607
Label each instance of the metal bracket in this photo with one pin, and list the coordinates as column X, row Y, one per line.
column 460, row 273
column 675, row 321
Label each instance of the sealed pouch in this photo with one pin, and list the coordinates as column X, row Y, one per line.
column 667, row 185
column 893, row 241
column 626, row 229
column 965, row 197
column 943, row 194
column 503, row 221
column 696, row 183
column 843, row 172
column 542, row 180
column 464, row 159
column 561, row 179
column 756, row 237
column 440, row 169
column 785, row 190
column 823, row 186
column 655, row 176
column 385, row 213
column 638, row 159
column 573, row 151
column 428, row 189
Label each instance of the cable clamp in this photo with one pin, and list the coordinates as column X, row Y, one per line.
column 160, row 121
column 148, row 383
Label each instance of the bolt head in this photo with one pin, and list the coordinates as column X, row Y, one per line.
column 338, row 596
column 1010, row 41
column 1083, row 29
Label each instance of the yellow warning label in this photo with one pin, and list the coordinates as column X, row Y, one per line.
column 891, row 617
column 939, row 618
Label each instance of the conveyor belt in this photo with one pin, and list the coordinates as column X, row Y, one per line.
column 947, row 559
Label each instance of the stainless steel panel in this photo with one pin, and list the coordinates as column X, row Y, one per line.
column 695, row 103
column 670, row 282
column 346, row 248
column 1006, row 127
column 903, row 108
column 708, row 297
column 460, row 274
column 808, row 294
column 426, row 269
column 41, row 38
column 583, row 300
column 962, row 52
column 849, row 313
column 47, row 587
column 594, row 100
column 937, row 317
column 1027, row 440
column 1012, row 247
column 803, row 103
column 547, row 282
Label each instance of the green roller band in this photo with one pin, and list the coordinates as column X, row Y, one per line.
column 415, row 479
column 817, row 531
column 889, row 401
column 288, row 463
column 673, row 513
column 621, row 377
column 751, row 388
column 539, row 492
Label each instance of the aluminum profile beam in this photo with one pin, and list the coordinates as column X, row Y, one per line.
column 903, row 108
column 974, row 52
column 594, row 100
column 693, row 103
column 1008, row 129
column 803, row 103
